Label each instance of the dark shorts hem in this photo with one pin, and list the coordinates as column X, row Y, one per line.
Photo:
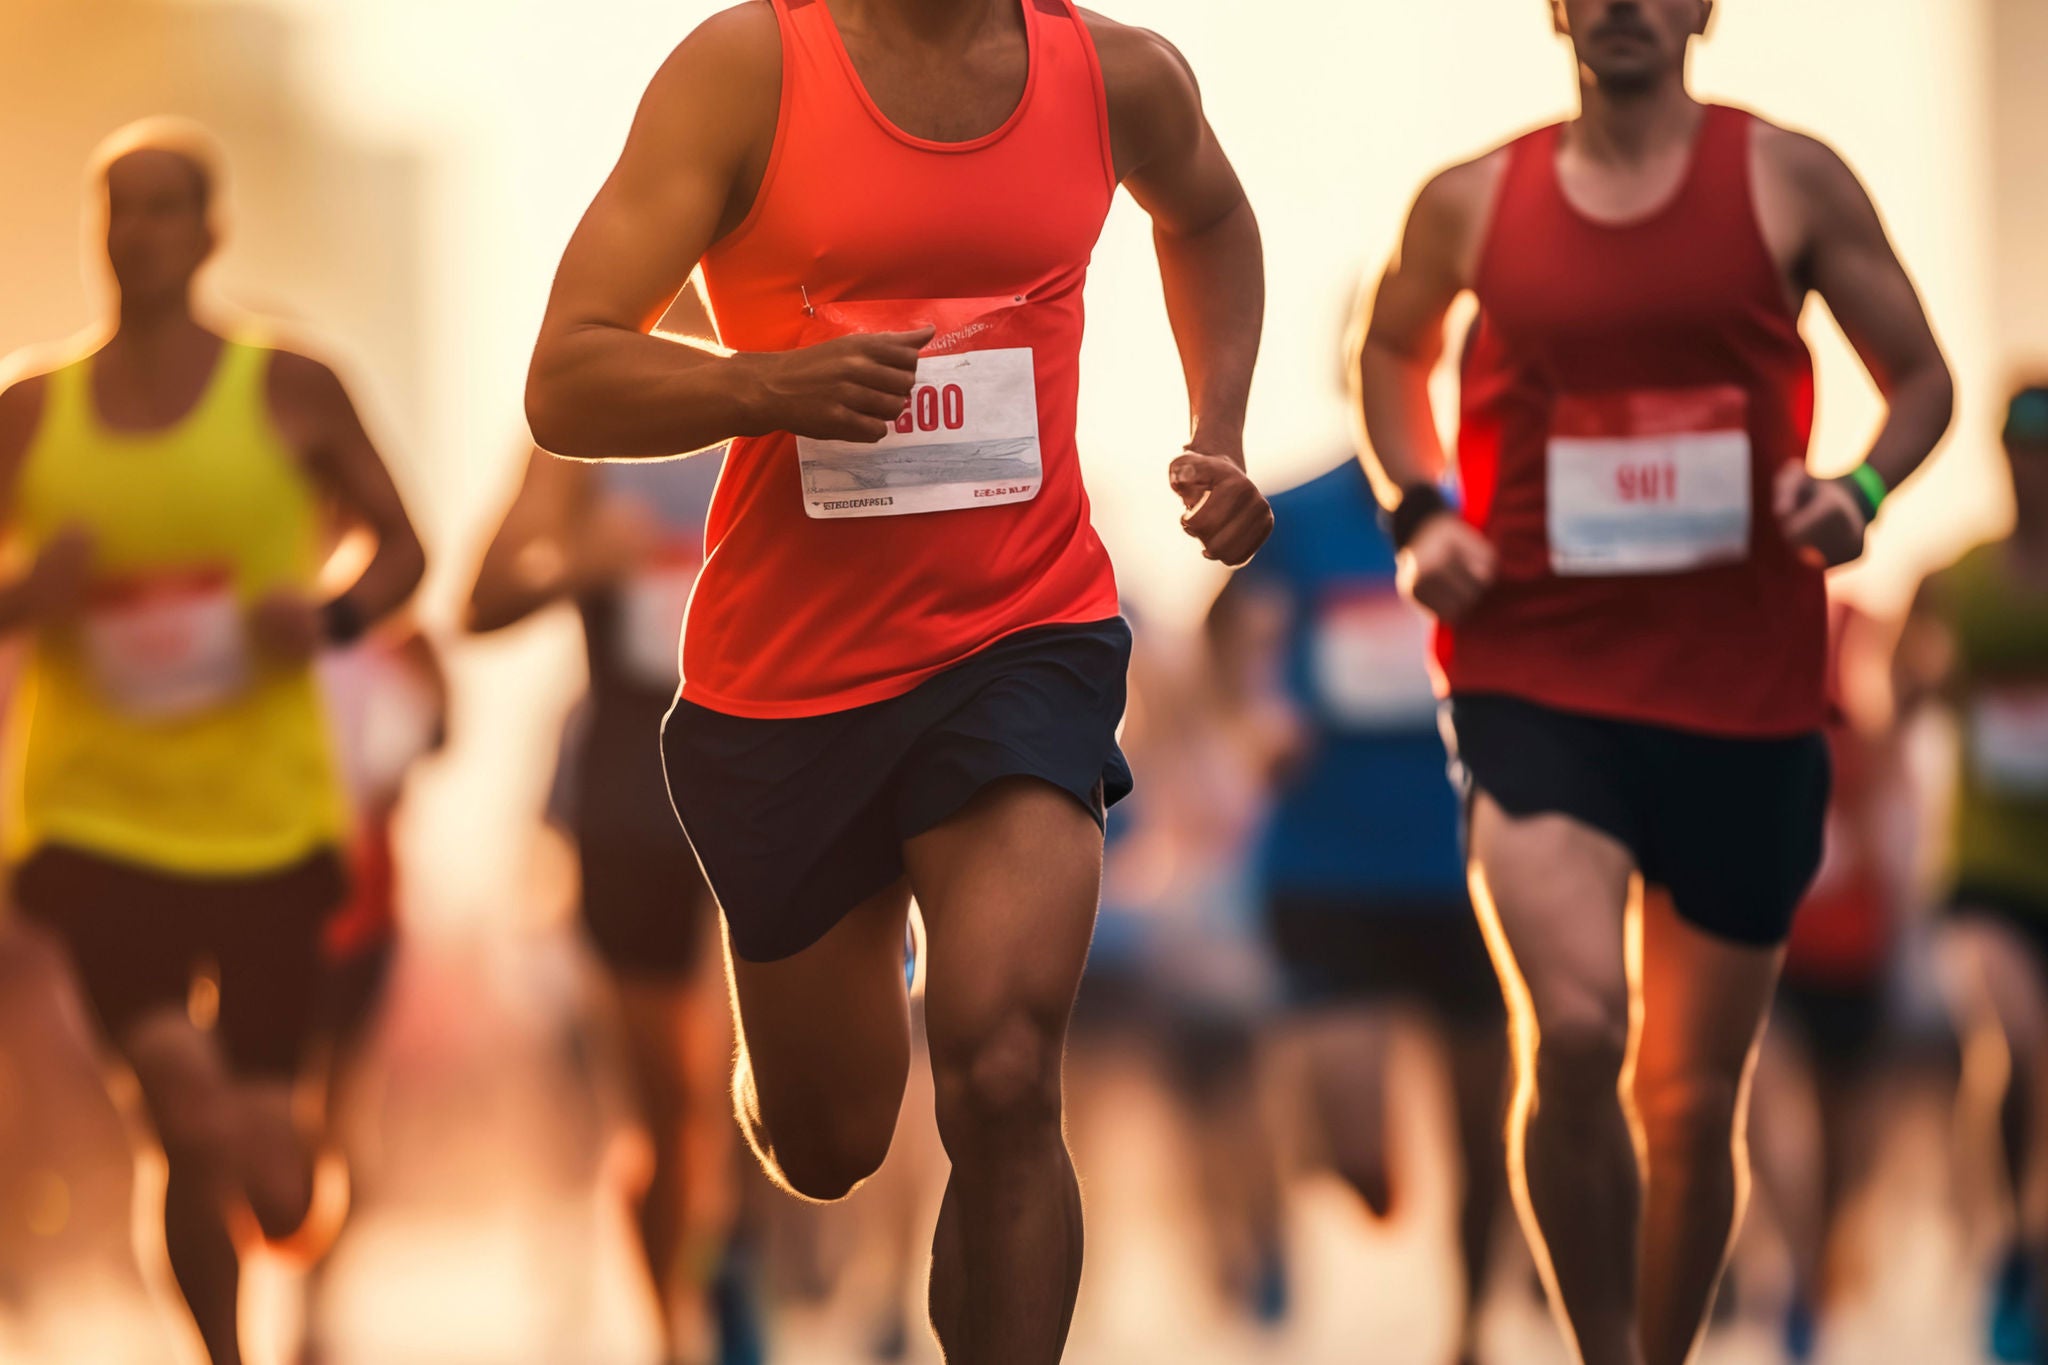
column 643, row 904
column 797, row 821
column 1335, row 951
column 138, row 938
column 1731, row 827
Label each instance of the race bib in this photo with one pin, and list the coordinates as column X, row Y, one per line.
column 2009, row 739
column 969, row 437
column 652, row 605
column 1649, row 482
column 167, row 647
column 1370, row 661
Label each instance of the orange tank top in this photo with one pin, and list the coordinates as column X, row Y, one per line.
column 838, row 574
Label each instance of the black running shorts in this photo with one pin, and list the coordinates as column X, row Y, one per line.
column 138, row 937
column 1338, row 951
column 798, row 821
column 1730, row 827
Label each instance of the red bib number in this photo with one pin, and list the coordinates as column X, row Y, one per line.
column 166, row 647
column 1370, row 661
column 969, row 437
column 1649, row 482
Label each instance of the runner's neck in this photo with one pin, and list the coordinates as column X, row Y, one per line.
column 939, row 23
column 1633, row 128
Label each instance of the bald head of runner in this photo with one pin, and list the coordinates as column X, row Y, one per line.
column 158, row 183
column 2026, row 447
column 1632, row 46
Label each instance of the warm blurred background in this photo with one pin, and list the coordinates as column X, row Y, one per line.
column 403, row 174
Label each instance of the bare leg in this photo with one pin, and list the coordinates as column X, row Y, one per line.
column 1479, row 1065
column 1705, row 1000
column 825, row 1050
column 678, row 1043
column 1553, row 896
column 1009, row 889
column 1347, row 1054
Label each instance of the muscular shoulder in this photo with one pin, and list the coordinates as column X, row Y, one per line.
column 301, row 385
column 730, row 62
column 1153, row 98
column 1446, row 231
column 1807, row 170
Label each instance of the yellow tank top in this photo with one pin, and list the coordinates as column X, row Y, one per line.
column 150, row 730
column 2001, row 817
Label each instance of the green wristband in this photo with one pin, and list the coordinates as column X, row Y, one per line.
column 1870, row 484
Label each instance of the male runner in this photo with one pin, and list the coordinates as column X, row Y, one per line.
column 1978, row 637
column 903, row 666
column 1632, row 618
column 623, row 542
column 178, row 801
column 1361, row 871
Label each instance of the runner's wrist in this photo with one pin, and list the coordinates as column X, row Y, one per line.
column 755, row 411
column 342, row 622
column 1420, row 504
column 1867, row 488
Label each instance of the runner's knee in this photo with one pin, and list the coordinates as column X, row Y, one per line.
column 1002, row 1084
column 1581, row 1046
column 1689, row 1109
column 826, row 1154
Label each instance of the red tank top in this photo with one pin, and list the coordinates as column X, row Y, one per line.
column 841, row 575
column 1629, row 394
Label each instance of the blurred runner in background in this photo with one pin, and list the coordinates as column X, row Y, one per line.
column 1820, row 1108
column 1362, row 870
column 1977, row 640
column 182, row 827
column 622, row 542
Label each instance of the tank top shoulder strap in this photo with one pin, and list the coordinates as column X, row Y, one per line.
column 1528, row 187
column 67, row 402
column 1721, row 162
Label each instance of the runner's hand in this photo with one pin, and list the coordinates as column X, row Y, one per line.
column 852, row 388
column 1448, row 566
column 1820, row 517
column 1226, row 511
column 286, row 626
column 55, row 584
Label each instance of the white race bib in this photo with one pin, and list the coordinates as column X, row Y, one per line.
column 652, row 605
column 2009, row 739
column 169, row 647
column 1652, row 482
column 1370, row 661
column 969, row 439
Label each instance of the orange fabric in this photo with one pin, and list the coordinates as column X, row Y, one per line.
column 797, row 616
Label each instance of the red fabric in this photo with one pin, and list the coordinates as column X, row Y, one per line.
column 1686, row 299
column 794, row 616
column 370, row 917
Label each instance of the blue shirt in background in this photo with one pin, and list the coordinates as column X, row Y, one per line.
column 1371, row 817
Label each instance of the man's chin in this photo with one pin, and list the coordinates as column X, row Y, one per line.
column 1628, row 79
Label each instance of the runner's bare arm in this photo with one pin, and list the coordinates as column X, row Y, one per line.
column 1850, row 263
column 601, row 386
column 1446, row 565
column 55, row 580
column 530, row 563
column 1397, row 343
column 317, row 415
column 1211, row 265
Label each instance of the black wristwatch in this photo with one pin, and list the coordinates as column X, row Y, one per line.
column 1419, row 502
column 341, row 621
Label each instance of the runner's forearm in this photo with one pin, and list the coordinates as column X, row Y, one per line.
column 1920, row 406
column 1399, row 442
column 389, row 580
column 599, row 392
column 1215, row 285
